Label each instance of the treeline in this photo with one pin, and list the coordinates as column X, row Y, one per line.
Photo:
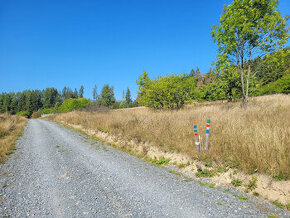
column 51, row 100
column 107, row 98
column 29, row 101
column 271, row 75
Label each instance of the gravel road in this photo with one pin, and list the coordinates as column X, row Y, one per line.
column 58, row 172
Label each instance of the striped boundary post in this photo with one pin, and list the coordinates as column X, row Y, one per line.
column 206, row 145
column 197, row 143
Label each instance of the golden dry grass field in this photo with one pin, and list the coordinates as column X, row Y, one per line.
column 254, row 140
column 11, row 128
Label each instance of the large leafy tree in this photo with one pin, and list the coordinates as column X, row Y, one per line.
column 246, row 28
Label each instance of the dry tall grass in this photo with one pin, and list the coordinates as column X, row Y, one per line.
column 255, row 139
column 10, row 129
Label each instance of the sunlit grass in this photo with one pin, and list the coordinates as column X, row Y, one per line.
column 255, row 140
column 10, row 129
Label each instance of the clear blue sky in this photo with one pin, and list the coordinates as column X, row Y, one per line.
column 57, row 43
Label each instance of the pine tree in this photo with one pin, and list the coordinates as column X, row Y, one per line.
column 64, row 93
column 128, row 97
column 13, row 103
column 50, row 96
column 192, row 73
column 29, row 106
column 81, row 91
column 247, row 27
column 21, row 102
column 95, row 93
column 6, row 103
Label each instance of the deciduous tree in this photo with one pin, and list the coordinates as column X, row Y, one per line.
column 246, row 27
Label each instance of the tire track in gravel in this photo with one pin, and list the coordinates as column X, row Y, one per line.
column 58, row 172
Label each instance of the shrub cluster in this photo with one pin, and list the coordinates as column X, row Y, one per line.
column 73, row 104
column 67, row 106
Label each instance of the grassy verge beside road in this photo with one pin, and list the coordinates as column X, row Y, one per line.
column 249, row 149
column 257, row 139
column 11, row 128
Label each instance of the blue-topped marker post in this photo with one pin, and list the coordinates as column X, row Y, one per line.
column 206, row 145
column 197, row 142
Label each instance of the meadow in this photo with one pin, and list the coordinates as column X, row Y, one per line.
column 11, row 127
column 253, row 140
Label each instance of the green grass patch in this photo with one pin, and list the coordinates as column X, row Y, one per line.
column 174, row 172
column 278, row 204
column 280, row 177
column 205, row 173
column 212, row 185
column 161, row 161
column 222, row 170
column 208, row 164
column 240, row 197
column 202, row 183
column 236, row 182
column 252, row 184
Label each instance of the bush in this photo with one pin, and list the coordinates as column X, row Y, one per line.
column 48, row 111
column 171, row 91
column 205, row 173
column 122, row 104
column 36, row 114
column 236, row 182
column 252, row 184
column 23, row 114
column 161, row 161
column 73, row 104
column 212, row 92
column 282, row 85
column 114, row 105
